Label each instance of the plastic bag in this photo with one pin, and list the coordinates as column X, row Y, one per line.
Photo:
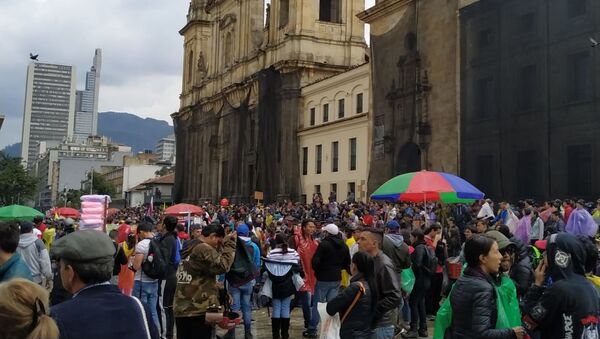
column 330, row 326
column 407, row 278
column 509, row 315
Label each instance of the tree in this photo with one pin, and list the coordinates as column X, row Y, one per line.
column 165, row 170
column 16, row 185
column 72, row 198
column 100, row 185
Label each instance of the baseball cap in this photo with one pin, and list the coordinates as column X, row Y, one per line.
column 243, row 230
column 392, row 224
column 331, row 229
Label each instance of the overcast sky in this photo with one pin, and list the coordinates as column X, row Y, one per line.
column 142, row 52
column 141, row 47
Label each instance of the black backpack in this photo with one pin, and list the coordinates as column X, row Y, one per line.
column 432, row 260
column 243, row 270
column 155, row 265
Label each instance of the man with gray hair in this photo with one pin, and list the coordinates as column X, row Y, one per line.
column 97, row 309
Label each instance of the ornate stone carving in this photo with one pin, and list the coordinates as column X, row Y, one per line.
column 227, row 20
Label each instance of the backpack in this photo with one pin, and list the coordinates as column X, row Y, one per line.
column 243, row 270
column 432, row 260
column 155, row 265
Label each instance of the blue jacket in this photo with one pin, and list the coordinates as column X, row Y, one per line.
column 101, row 312
column 15, row 267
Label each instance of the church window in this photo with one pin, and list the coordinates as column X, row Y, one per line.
column 190, row 66
column 228, row 49
column 284, row 9
column 329, row 10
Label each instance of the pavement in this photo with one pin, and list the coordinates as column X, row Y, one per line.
column 261, row 326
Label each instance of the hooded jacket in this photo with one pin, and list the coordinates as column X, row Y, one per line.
column 196, row 285
column 397, row 250
column 35, row 254
column 15, row 267
column 568, row 308
column 331, row 257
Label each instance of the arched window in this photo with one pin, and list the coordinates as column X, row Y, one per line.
column 190, row 66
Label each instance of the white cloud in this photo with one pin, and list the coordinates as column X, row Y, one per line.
column 142, row 51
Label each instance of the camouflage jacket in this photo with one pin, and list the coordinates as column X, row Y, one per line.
column 196, row 277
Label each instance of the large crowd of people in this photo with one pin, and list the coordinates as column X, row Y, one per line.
column 382, row 270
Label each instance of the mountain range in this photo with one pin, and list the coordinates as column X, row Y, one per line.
column 123, row 128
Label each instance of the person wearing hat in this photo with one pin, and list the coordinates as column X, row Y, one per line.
column 12, row 264
column 568, row 307
column 332, row 256
column 97, row 309
column 35, row 255
column 519, row 271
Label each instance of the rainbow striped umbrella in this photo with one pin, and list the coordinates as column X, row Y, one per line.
column 427, row 186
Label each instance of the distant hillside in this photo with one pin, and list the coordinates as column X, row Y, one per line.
column 129, row 129
column 124, row 128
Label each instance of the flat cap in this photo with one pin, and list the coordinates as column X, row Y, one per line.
column 84, row 246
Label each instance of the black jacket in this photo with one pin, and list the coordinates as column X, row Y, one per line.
column 283, row 286
column 357, row 324
column 420, row 262
column 388, row 291
column 80, row 316
column 168, row 247
column 474, row 309
column 331, row 257
column 569, row 306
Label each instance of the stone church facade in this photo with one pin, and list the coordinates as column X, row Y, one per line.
column 415, row 71
column 244, row 67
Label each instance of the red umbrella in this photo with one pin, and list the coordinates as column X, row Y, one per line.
column 67, row 212
column 184, row 209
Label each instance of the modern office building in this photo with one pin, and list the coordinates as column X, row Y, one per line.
column 49, row 108
column 62, row 167
column 165, row 148
column 86, row 104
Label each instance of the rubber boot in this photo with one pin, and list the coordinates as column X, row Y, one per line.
column 276, row 327
column 285, row 328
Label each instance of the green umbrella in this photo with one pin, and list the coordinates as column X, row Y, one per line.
column 19, row 212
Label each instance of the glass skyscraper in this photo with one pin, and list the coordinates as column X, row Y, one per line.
column 86, row 105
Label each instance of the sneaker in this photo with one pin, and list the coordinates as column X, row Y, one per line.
column 409, row 334
column 310, row 334
column 423, row 333
column 431, row 317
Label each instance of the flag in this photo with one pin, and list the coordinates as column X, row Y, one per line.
column 150, row 211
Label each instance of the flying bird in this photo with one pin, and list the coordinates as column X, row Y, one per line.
column 33, row 57
column 594, row 42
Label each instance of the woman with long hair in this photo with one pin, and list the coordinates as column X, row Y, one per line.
column 356, row 304
column 421, row 260
column 303, row 242
column 473, row 298
column 126, row 275
column 281, row 264
column 24, row 311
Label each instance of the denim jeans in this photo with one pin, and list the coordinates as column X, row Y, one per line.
column 147, row 292
column 242, row 302
column 281, row 308
column 325, row 291
column 386, row 332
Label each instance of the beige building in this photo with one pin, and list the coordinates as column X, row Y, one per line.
column 243, row 70
column 333, row 137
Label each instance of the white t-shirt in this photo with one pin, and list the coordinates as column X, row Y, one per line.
column 142, row 247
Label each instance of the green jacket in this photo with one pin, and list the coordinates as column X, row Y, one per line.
column 197, row 288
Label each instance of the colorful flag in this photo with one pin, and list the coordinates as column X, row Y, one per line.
column 150, row 211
